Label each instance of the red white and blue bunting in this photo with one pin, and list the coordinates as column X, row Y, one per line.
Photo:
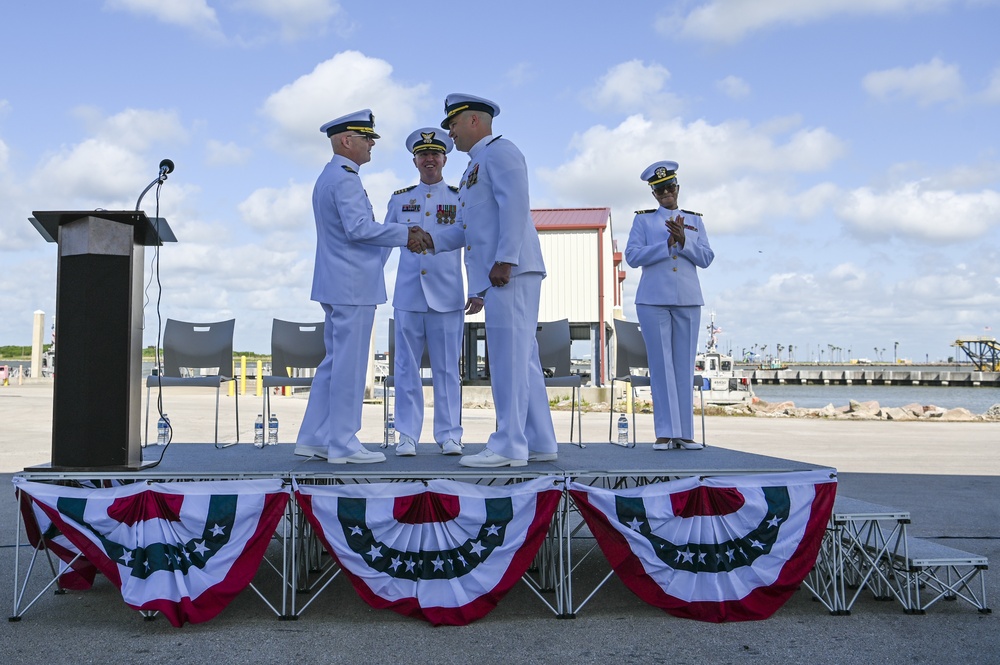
column 728, row 548
column 75, row 571
column 183, row 549
column 443, row 551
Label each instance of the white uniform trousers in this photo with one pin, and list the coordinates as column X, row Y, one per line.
column 524, row 422
column 333, row 413
column 441, row 332
column 671, row 336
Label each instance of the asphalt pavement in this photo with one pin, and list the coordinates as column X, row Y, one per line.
column 946, row 474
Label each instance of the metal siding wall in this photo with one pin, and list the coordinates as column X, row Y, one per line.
column 569, row 290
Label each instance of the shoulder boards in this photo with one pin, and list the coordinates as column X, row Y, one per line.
column 692, row 212
column 348, row 169
column 645, row 212
column 453, row 188
column 404, row 190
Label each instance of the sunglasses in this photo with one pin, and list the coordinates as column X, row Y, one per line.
column 659, row 190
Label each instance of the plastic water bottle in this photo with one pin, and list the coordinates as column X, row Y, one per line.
column 272, row 430
column 258, row 431
column 622, row 430
column 390, row 431
column 163, row 430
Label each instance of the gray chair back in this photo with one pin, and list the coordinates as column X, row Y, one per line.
column 554, row 347
column 198, row 346
column 296, row 345
column 631, row 348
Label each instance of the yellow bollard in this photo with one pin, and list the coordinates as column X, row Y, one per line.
column 243, row 375
column 232, row 384
column 260, row 378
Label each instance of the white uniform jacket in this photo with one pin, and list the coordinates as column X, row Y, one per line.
column 349, row 242
column 669, row 274
column 494, row 211
column 427, row 281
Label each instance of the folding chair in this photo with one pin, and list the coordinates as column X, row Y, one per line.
column 294, row 346
column 631, row 352
column 554, row 354
column 189, row 346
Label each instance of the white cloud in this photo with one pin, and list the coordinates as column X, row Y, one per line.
column 731, row 20
column 520, row 74
column 109, row 166
column 734, row 87
column 287, row 208
column 350, row 81
column 295, row 17
column 913, row 209
column 218, row 153
column 726, row 163
column 194, row 14
column 631, row 86
column 929, row 83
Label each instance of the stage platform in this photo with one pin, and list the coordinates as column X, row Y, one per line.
column 304, row 572
column 203, row 461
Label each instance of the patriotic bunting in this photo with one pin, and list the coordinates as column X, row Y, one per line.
column 443, row 551
column 75, row 572
column 714, row 549
column 183, row 549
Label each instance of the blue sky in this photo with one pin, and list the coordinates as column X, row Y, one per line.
column 845, row 154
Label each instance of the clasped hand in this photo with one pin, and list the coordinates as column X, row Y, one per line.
column 676, row 227
column 419, row 240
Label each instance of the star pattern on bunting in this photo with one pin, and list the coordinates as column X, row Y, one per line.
column 450, row 561
column 740, row 550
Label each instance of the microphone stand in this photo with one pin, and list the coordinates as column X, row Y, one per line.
column 166, row 166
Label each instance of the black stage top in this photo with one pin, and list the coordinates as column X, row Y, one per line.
column 202, row 461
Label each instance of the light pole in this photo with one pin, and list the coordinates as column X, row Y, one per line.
column 895, row 345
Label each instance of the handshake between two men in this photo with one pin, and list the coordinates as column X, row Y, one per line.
column 419, row 240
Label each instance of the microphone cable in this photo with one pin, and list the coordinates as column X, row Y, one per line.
column 166, row 166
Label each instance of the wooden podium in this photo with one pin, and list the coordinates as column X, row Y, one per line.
column 98, row 361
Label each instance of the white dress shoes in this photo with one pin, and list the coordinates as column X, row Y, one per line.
column 406, row 447
column 663, row 443
column 489, row 459
column 362, row 456
column 310, row 451
column 450, row 447
column 688, row 444
column 542, row 457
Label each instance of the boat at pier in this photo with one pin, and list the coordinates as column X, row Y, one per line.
column 722, row 382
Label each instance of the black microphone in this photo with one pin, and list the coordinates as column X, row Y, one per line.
column 166, row 166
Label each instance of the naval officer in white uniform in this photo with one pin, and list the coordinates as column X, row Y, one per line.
column 429, row 302
column 669, row 245
column 351, row 248
column 503, row 261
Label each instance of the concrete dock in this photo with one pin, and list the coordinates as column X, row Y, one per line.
column 947, row 474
